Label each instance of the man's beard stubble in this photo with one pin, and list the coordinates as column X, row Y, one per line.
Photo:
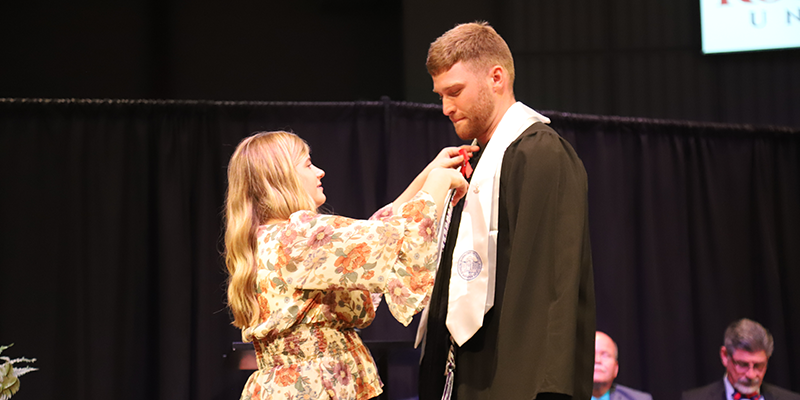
column 747, row 386
column 478, row 116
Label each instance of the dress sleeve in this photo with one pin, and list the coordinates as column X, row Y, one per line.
column 383, row 213
column 395, row 255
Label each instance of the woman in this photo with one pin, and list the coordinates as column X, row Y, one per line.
column 300, row 282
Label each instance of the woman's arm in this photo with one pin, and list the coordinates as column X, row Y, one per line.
column 439, row 182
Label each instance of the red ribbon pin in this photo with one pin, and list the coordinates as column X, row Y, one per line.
column 466, row 168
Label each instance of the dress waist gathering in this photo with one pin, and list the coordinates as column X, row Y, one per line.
column 305, row 343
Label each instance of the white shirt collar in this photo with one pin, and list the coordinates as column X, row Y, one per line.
column 729, row 390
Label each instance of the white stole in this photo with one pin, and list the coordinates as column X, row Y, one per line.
column 472, row 276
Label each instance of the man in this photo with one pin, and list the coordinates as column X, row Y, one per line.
column 606, row 368
column 745, row 354
column 523, row 240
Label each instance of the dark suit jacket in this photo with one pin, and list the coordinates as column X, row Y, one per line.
column 619, row 392
column 716, row 391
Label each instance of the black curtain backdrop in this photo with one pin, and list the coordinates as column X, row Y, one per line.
column 111, row 273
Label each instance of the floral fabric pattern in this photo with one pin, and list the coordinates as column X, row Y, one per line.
column 318, row 276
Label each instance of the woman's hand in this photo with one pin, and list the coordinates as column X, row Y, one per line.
column 449, row 157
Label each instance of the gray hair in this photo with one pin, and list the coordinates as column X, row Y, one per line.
column 748, row 335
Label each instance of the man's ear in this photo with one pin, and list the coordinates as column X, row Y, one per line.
column 723, row 355
column 497, row 77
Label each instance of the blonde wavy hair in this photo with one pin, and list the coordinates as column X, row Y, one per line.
column 262, row 186
column 476, row 44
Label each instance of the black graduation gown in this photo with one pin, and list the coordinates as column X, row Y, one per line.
column 539, row 336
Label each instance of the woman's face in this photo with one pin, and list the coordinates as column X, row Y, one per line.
column 310, row 177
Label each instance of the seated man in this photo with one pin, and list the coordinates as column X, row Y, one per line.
column 747, row 349
column 606, row 368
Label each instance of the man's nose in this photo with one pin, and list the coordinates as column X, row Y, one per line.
column 448, row 108
column 752, row 373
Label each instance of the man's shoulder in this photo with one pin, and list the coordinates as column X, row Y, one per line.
column 714, row 390
column 537, row 137
column 624, row 392
column 537, row 128
column 772, row 392
column 542, row 148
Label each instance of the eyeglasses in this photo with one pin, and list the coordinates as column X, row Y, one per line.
column 742, row 366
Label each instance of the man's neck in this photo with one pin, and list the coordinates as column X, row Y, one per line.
column 500, row 111
column 599, row 389
column 728, row 378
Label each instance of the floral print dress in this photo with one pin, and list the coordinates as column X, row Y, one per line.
column 316, row 274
